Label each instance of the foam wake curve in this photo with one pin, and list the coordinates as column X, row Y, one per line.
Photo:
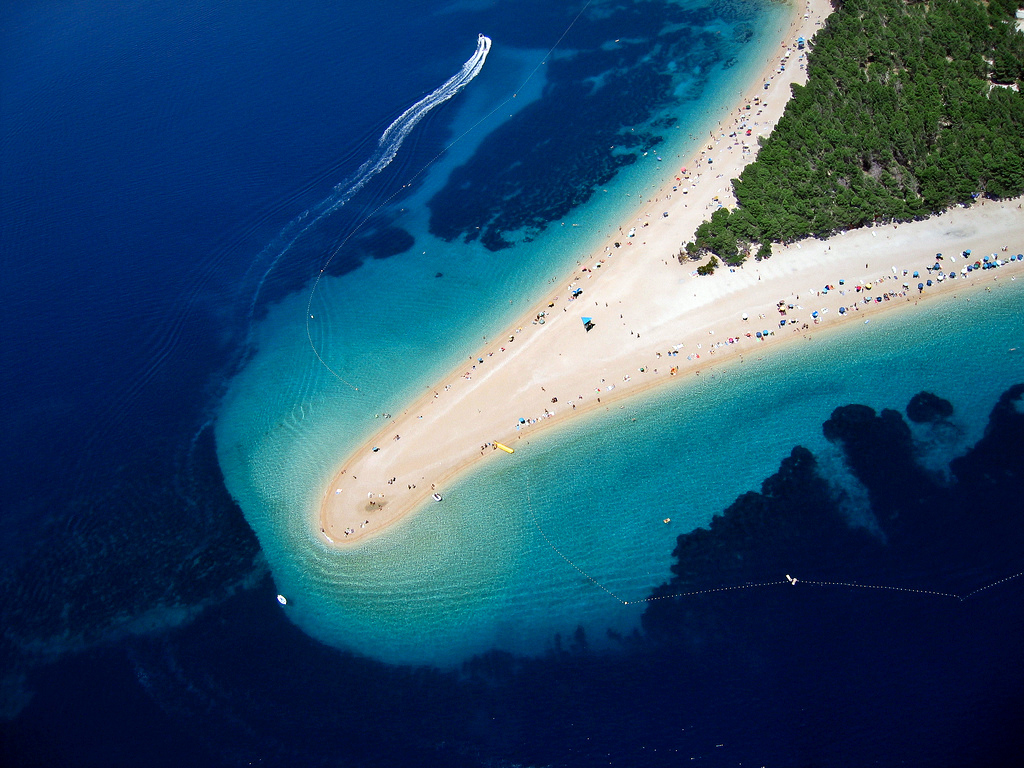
column 386, row 150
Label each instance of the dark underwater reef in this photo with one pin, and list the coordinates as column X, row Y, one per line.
column 932, row 532
column 526, row 175
column 158, row 542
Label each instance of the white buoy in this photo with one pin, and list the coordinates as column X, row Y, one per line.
column 282, row 600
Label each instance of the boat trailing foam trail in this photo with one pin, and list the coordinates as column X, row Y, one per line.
column 387, row 148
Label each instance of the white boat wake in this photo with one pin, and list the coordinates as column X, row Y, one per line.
column 387, row 148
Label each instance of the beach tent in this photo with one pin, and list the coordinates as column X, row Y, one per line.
column 588, row 323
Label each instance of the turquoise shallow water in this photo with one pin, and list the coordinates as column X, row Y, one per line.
column 480, row 573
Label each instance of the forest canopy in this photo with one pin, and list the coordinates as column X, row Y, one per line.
column 909, row 108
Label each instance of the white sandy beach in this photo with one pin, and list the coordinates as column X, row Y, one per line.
column 655, row 321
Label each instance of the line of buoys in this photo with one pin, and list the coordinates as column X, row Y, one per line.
column 536, row 523
column 791, row 580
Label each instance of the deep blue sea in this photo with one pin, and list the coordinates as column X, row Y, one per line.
column 183, row 184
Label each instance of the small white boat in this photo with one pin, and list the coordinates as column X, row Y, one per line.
column 282, row 600
column 437, row 497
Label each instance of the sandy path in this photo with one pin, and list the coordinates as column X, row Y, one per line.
column 654, row 321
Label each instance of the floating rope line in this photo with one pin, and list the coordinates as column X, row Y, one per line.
column 879, row 586
column 362, row 222
column 705, row 591
column 993, row 584
column 790, row 580
column 960, row 598
column 557, row 551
